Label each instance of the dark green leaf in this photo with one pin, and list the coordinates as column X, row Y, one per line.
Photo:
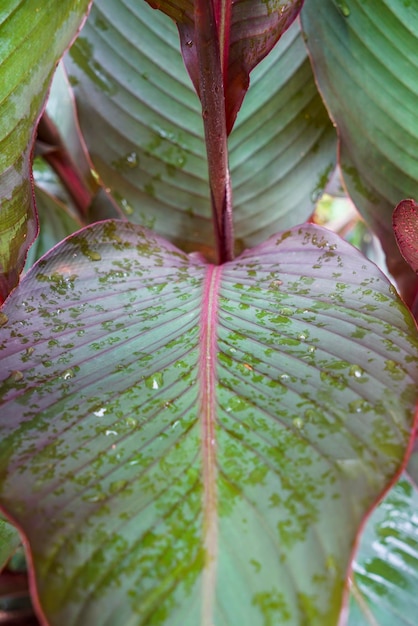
column 33, row 36
column 385, row 577
column 365, row 58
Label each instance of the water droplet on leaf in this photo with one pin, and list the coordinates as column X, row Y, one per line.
column 155, row 381
column 68, row 374
column 344, row 9
column 356, row 371
column 15, row 377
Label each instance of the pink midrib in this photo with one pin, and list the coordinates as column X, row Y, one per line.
column 207, row 412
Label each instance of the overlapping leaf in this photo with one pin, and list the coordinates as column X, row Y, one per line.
column 185, row 443
column 142, row 123
column 385, row 576
column 33, row 37
column 405, row 225
column 9, row 541
column 246, row 31
column 365, row 60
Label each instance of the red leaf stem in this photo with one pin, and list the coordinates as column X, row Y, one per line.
column 214, row 120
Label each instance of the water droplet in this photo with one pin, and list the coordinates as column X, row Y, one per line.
column 155, row 381
column 68, row 374
column 3, row 319
column 126, row 206
column 236, row 404
column 395, row 370
column 175, row 424
column 298, row 423
column 189, row 43
column 342, row 5
column 15, row 377
column 132, row 160
column 92, row 255
column 100, row 412
column 97, row 496
column 117, row 485
column 359, row 406
column 301, row 336
column 356, row 371
column 131, row 423
column 284, row 377
column 136, row 460
column 111, row 432
column 309, row 415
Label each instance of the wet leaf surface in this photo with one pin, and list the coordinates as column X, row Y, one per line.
column 185, row 443
column 33, row 39
column 365, row 61
column 386, row 566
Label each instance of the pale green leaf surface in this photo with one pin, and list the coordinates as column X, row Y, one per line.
column 188, row 444
column 33, row 36
column 386, row 567
column 142, row 123
column 365, row 58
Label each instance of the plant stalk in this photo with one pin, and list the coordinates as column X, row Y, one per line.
column 212, row 96
column 55, row 153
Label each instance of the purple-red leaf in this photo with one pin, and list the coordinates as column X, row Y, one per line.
column 246, row 30
column 405, row 226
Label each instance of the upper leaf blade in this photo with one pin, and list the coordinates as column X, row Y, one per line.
column 247, row 30
column 33, row 38
column 142, row 124
column 198, row 444
column 365, row 61
column 256, row 27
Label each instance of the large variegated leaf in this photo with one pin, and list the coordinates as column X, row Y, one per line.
column 33, row 36
column 385, row 577
column 185, row 443
column 366, row 63
column 143, row 127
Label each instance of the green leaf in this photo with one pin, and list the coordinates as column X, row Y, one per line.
column 385, row 576
column 185, row 443
column 365, row 61
column 9, row 541
column 142, row 123
column 33, row 36
column 56, row 222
